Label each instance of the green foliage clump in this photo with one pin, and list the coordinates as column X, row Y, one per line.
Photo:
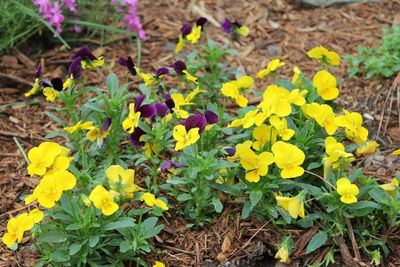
column 383, row 61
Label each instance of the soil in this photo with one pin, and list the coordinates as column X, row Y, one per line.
column 278, row 29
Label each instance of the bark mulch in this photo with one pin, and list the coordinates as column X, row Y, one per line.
column 279, row 28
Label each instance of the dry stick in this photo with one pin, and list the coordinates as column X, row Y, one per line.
column 12, row 211
column 322, row 178
column 176, row 249
column 385, row 102
column 353, row 239
column 15, row 78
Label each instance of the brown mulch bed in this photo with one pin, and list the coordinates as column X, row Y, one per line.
column 279, row 28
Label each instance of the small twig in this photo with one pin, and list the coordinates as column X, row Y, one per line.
column 251, row 238
column 353, row 239
column 16, row 78
column 320, row 177
column 176, row 249
column 22, row 150
column 13, row 211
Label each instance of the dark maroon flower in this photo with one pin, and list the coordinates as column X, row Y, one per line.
column 127, row 62
column 195, row 121
column 179, row 66
column 227, row 26
column 160, row 90
column 211, row 117
column 201, row 21
column 169, row 102
column 45, row 83
column 146, row 111
column 186, row 29
column 57, row 84
column 161, row 109
column 161, row 71
column 171, row 164
column 106, row 125
column 76, row 68
column 38, row 73
column 231, row 151
column 135, row 137
column 84, row 54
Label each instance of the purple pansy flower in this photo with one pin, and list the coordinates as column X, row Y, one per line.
column 201, row 21
column 227, row 26
column 211, row 117
column 57, row 84
column 135, row 137
column 186, row 29
column 76, row 68
column 171, row 164
column 146, row 111
column 231, row 151
column 161, row 109
column 195, row 121
column 161, row 71
column 106, row 125
column 179, row 66
column 169, row 102
column 38, row 72
column 84, row 54
column 127, row 62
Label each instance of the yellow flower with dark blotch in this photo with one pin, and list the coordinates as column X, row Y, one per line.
column 272, row 66
column 102, row 199
column 91, row 64
column 323, row 115
column 194, row 35
column 50, row 94
column 282, row 254
column 180, row 45
column 16, row 227
column 288, row 157
column 80, row 126
column 185, row 138
column 293, row 205
column 263, row 134
column 239, row 148
column 257, row 165
column 96, row 134
column 115, row 174
column 325, row 56
column 390, row 188
column 152, row 201
column 326, row 85
column 42, row 157
column 368, row 147
column 281, row 127
column 347, row 190
column 130, row 123
column 67, row 83
column 36, row 87
column 352, row 122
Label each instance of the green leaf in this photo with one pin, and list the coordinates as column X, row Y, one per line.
column 53, row 117
column 149, row 229
column 121, row 223
column 124, row 246
column 255, row 197
column 184, row 197
column 59, row 256
column 316, row 242
column 74, row 226
column 354, row 175
column 314, row 165
column 365, row 204
column 232, row 52
column 378, row 194
column 93, row 240
column 246, row 209
column 112, row 84
column 74, row 248
column 217, row 204
column 54, row 134
column 54, row 237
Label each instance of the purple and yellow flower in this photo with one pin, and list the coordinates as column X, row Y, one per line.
column 179, row 66
column 135, row 137
column 170, row 167
column 195, row 121
column 189, row 33
column 234, row 27
column 99, row 134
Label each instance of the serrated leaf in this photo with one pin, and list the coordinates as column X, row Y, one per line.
column 316, row 242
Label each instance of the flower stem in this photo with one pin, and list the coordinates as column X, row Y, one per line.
column 322, row 178
column 22, row 150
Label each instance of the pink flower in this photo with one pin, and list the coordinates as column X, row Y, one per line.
column 70, row 4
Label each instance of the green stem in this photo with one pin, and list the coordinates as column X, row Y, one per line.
column 139, row 51
column 22, row 150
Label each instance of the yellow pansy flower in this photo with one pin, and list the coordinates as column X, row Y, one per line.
column 326, row 85
column 352, row 122
column 282, row 254
column 35, row 88
column 15, row 229
column 42, row 157
column 347, row 190
column 91, row 64
column 293, row 205
column 158, row 264
column 288, row 157
column 390, row 188
column 396, row 152
column 281, row 127
column 130, row 123
column 152, row 201
column 180, row 45
column 243, row 31
column 272, row 66
column 257, row 165
column 275, row 101
column 194, row 35
column 324, row 54
column 368, row 147
column 102, row 199
column 50, row 94
column 80, row 126
column 185, row 138
column 247, row 121
column 263, row 134
column 323, row 115
column 115, row 174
